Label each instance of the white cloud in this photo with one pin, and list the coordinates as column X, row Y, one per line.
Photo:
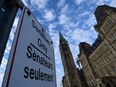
column 25, row 2
column 3, row 64
column 65, row 9
column 63, row 19
column 8, row 47
column 15, row 22
column 83, row 14
column 84, row 35
column 55, row 38
column 51, row 26
column 91, row 21
column 61, row 3
column 1, row 78
column 100, row 2
column 2, row 69
column 60, row 73
column 78, row 1
column 12, row 34
column 113, row 3
column 74, row 50
column 49, row 15
column 39, row 4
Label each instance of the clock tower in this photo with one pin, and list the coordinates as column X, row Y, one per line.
column 71, row 76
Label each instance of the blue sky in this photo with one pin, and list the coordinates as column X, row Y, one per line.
column 73, row 18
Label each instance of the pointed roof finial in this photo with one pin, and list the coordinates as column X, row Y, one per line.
column 61, row 37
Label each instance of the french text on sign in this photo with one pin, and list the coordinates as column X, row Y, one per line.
column 31, row 62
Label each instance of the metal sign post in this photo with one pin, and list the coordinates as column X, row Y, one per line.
column 8, row 10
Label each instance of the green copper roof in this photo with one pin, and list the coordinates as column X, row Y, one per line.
column 61, row 37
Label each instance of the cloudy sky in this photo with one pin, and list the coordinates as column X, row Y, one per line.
column 73, row 18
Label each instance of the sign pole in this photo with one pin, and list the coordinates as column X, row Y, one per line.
column 8, row 10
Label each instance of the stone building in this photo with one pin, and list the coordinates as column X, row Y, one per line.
column 82, row 77
column 99, row 59
column 71, row 76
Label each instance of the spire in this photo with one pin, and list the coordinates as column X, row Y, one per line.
column 61, row 37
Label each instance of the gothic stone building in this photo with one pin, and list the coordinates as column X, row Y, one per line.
column 71, row 76
column 99, row 59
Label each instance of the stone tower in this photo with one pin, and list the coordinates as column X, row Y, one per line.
column 71, row 76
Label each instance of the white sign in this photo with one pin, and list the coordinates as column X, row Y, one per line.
column 31, row 62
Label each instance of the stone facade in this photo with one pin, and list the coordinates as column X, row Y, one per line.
column 71, row 76
column 99, row 60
